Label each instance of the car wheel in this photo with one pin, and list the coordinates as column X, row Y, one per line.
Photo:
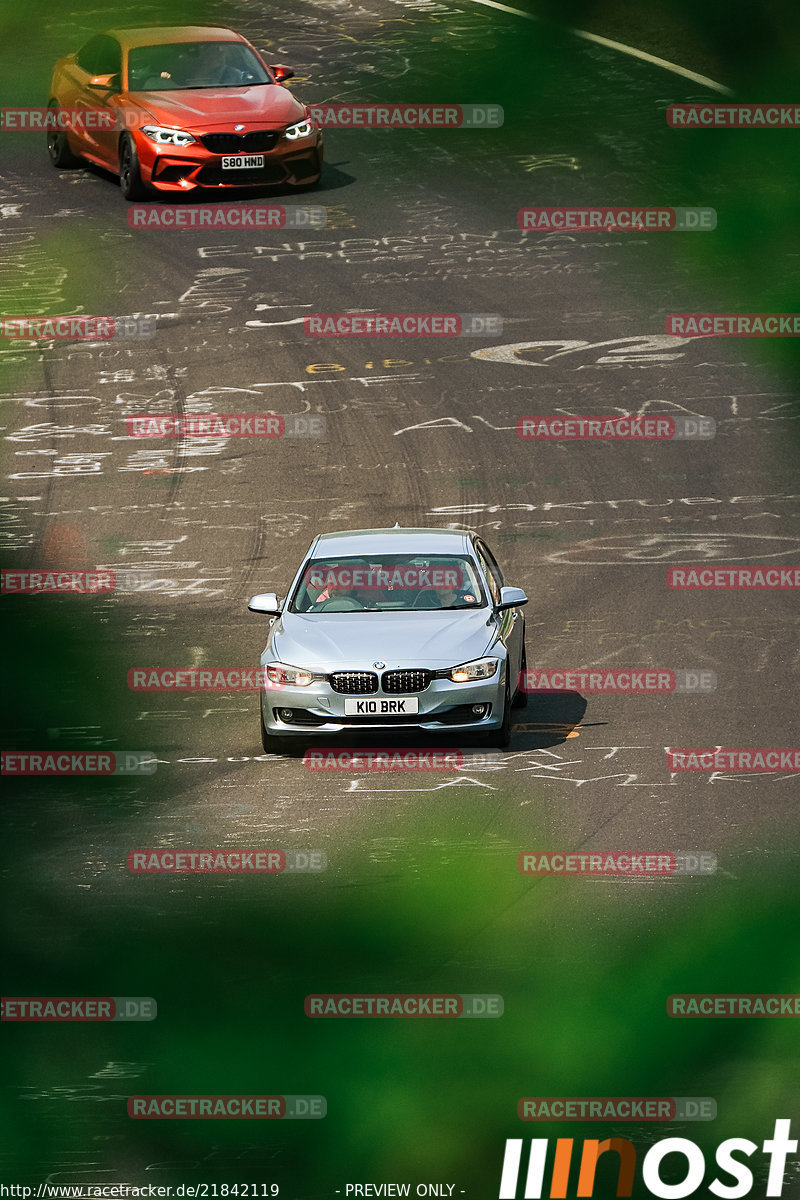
column 58, row 147
column 521, row 698
column 502, row 737
column 270, row 742
column 130, row 178
column 310, row 187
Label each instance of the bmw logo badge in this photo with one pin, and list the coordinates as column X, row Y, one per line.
column 379, row 664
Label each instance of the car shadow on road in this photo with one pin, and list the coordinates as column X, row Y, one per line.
column 548, row 719
column 332, row 180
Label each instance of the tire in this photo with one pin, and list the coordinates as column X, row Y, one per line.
column 521, row 698
column 130, row 177
column 311, row 187
column 306, row 187
column 58, row 147
column 270, row 742
column 502, row 737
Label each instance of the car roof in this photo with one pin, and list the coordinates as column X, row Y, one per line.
column 159, row 35
column 393, row 541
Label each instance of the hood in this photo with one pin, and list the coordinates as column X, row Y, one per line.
column 354, row 641
column 220, row 108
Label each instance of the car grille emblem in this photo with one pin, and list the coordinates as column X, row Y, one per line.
column 379, row 664
column 238, row 127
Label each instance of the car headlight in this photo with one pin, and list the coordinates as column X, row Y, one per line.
column 479, row 668
column 300, row 129
column 163, row 136
column 280, row 673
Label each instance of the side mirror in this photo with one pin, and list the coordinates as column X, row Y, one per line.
column 510, row 597
column 281, row 73
column 265, row 602
column 105, row 83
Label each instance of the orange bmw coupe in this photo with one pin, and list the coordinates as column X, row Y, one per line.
column 180, row 108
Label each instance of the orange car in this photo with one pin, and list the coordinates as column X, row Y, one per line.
column 193, row 106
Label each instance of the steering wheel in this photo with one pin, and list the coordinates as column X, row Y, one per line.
column 339, row 604
column 426, row 595
column 461, row 595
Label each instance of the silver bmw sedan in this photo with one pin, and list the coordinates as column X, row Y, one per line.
column 388, row 629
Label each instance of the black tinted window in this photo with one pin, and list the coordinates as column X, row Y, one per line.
column 87, row 55
column 101, row 55
column 110, row 58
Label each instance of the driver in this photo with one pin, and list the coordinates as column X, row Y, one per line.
column 210, row 67
column 458, row 593
column 338, row 584
column 336, row 591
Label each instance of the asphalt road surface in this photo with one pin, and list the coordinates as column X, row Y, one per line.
column 420, row 431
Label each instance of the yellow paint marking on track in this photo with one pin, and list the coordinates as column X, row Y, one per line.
column 546, row 724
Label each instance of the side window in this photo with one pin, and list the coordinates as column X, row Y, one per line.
column 110, row 58
column 88, row 55
column 492, row 561
column 486, row 562
column 101, row 55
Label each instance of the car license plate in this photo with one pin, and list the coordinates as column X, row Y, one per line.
column 233, row 162
column 381, row 708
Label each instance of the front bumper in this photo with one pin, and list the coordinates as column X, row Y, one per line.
column 443, row 706
column 187, row 168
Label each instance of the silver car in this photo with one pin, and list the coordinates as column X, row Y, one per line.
column 388, row 629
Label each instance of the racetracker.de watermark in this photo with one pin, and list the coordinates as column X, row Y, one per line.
column 402, row 324
column 76, row 329
column 52, row 119
column 398, row 1004
column 616, row 1108
column 382, row 576
column 225, row 860
column 746, row 1004
column 617, row 862
column 406, row 116
column 77, row 762
column 78, row 583
column 737, row 759
column 733, row 579
column 383, row 760
column 733, row 324
column 629, row 219
column 229, row 1108
column 78, row 1008
column 226, row 425
column 234, row 216
column 622, row 680
column 733, row 116
column 616, row 429
column 196, row 679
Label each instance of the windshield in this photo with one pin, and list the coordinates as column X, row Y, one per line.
column 181, row 65
column 395, row 583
